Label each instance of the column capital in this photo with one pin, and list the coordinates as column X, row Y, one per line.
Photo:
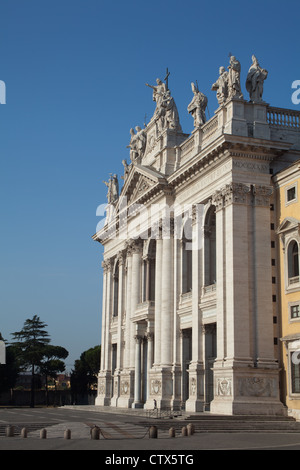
column 107, row 265
column 134, row 246
column 121, row 257
column 138, row 338
column 231, row 193
column 261, row 194
column 149, row 336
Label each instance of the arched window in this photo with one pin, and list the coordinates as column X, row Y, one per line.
column 116, row 290
column 149, row 272
column 293, row 262
column 210, row 247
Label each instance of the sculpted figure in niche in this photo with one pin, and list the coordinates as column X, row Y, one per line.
column 197, row 106
column 255, row 81
column 221, row 86
column 234, row 85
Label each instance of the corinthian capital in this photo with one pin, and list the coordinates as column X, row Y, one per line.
column 262, row 194
column 107, row 265
column 134, row 246
column 236, row 193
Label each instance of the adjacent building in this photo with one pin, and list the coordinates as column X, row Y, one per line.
column 190, row 313
column 287, row 184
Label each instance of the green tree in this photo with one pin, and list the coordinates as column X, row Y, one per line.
column 52, row 364
column 86, row 369
column 34, row 352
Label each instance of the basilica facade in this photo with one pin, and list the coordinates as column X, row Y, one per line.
column 189, row 312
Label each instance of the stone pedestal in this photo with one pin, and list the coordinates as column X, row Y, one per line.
column 246, row 391
column 196, row 401
column 104, row 389
column 161, row 388
column 126, row 397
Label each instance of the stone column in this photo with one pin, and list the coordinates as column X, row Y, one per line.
column 167, row 302
column 176, row 368
column 116, row 378
column 262, row 274
column 195, row 401
column 158, row 292
column 243, row 384
column 104, row 267
column 137, row 372
column 104, row 377
column 150, row 337
column 136, row 249
column 121, row 259
column 167, row 319
column 126, row 376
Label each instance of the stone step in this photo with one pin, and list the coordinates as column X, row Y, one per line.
column 230, row 424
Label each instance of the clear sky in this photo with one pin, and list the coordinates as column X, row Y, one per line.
column 75, row 74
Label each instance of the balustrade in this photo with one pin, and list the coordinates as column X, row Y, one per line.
column 283, row 117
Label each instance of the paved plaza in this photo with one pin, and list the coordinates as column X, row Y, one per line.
column 124, row 433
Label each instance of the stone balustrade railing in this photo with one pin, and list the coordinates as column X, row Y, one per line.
column 209, row 128
column 281, row 117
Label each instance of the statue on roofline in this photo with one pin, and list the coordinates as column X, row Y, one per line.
column 126, row 170
column 137, row 143
column 113, row 189
column 228, row 85
column 166, row 113
column 234, row 84
column 197, row 106
column 221, row 86
column 255, row 81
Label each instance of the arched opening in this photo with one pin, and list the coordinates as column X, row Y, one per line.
column 210, row 247
column 187, row 258
column 149, row 272
column 116, row 290
column 293, row 262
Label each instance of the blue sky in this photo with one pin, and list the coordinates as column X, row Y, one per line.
column 75, row 74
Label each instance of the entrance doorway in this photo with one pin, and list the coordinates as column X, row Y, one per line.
column 210, row 335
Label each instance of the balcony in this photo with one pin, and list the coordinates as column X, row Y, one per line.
column 144, row 311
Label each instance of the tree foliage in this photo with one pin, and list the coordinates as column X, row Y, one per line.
column 84, row 375
column 34, row 351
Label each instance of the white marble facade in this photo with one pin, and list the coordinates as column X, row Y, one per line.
column 188, row 306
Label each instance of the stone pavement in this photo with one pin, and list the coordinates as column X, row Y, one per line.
column 124, row 437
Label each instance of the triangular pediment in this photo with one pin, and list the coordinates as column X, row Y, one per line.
column 288, row 224
column 140, row 181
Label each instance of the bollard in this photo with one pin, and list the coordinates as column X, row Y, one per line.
column 24, row 433
column 153, row 432
column 10, row 431
column 172, row 432
column 190, row 429
column 95, row 433
column 43, row 434
column 67, row 434
column 184, row 431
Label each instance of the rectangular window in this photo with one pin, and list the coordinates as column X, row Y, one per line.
column 295, row 311
column 295, row 374
column 291, row 194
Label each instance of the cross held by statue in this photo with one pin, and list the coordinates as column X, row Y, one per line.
column 167, row 78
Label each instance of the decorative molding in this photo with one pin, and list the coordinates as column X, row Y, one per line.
column 262, row 195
